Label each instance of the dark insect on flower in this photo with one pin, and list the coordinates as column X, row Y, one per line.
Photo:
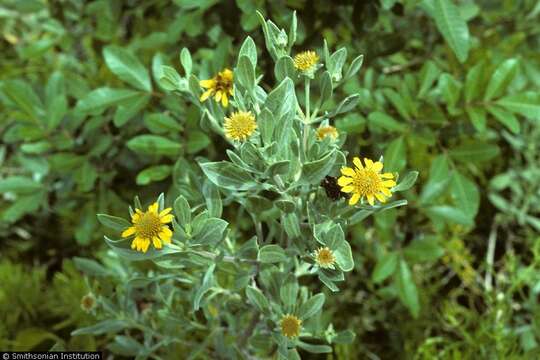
column 333, row 190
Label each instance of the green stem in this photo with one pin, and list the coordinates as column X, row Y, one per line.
column 306, row 118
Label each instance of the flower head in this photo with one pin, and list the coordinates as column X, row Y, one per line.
column 150, row 227
column 366, row 181
column 327, row 131
column 324, row 257
column 306, row 61
column 220, row 85
column 88, row 302
column 240, row 125
column 290, row 326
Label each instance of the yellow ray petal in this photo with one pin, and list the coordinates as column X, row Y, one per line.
column 144, row 245
column 344, row 181
column 165, row 211
column 347, row 189
column 357, row 163
column 354, row 199
column 377, row 166
column 386, row 192
column 157, row 242
column 389, row 183
column 167, row 219
column 368, row 162
column 218, row 95
column 153, row 208
column 387, row 175
column 134, row 243
column 206, row 94
column 224, row 100
column 380, row 197
column 207, row 83
column 371, row 199
column 129, row 231
column 347, row 171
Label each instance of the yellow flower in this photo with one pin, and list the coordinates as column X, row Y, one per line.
column 150, row 227
column 324, row 257
column 88, row 302
column 221, row 85
column 290, row 326
column 240, row 125
column 327, row 131
column 366, row 182
column 306, row 61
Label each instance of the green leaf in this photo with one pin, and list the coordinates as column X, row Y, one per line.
column 211, row 233
column 197, row 141
column 271, row 254
column 423, row 249
column 355, row 66
column 395, row 155
column 91, row 267
column 343, row 254
column 249, row 49
column 161, row 123
column 449, row 213
column 19, row 185
column 384, row 121
column 96, row 101
column 153, row 145
column 474, row 82
column 526, row 104
column 153, row 173
column 123, row 249
column 325, row 84
column 465, row 194
column 182, row 210
column 311, row 307
column 407, row 182
column 257, row 298
column 103, row 327
column 477, row 150
column 506, row 118
column 386, row 265
column 206, row 284
column 478, row 118
column 127, row 67
column 501, row 78
column 113, row 222
column 245, row 73
column 185, row 60
column 451, row 25
column 284, row 68
column 407, row 288
column 315, row 349
column 288, row 292
column 128, row 109
column 227, row 175
column 346, row 105
column 429, row 73
column 23, row 96
column 313, row 172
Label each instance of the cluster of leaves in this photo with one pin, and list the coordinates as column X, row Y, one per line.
column 448, row 88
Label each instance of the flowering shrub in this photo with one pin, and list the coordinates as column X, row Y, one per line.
column 264, row 283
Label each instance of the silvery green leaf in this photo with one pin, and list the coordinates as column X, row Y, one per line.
column 206, row 284
column 182, row 210
column 326, row 88
column 185, row 60
column 407, row 182
column 249, row 49
column 285, row 68
column 245, row 73
column 271, row 254
column 311, row 307
column 258, row 299
column 227, row 175
column 355, row 66
column 314, row 171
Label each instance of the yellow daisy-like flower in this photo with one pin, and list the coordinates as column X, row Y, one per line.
column 306, row 61
column 366, row 181
column 327, row 131
column 290, row 326
column 240, row 125
column 150, row 227
column 220, row 85
column 324, row 257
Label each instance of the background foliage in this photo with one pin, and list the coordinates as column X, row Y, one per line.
column 446, row 88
